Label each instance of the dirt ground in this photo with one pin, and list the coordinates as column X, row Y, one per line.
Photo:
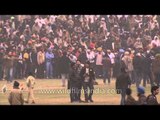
column 51, row 92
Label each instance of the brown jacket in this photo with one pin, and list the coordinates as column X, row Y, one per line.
column 40, row 57
column 142, row 100
column 156, row 66
column 16, row 97
column 152, row 100
column 130, row 101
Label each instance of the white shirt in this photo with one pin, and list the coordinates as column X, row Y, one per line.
column 99, row 59
column 91, row 56
column 112, row 56
column 156, row 42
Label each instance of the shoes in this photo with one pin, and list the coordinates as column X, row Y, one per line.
column 81, row 101
column 33, row 102
column 95, row 83
column 26, row 102
column 86, row 101
column 74, row 101
column 91, row 100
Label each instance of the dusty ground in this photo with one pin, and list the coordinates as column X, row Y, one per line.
column 50, row 92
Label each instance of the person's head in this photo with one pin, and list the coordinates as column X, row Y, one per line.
column 108, row 51
column 87, row 64
column 73, row 65
column 138, row 54
column 157, row 56
column 12, row 18
column 36, row 23
column 10, row 53
column 27, row 26
column 155, row 90
column 71, row 56
column 89, row 51
column 128, row 91
column 78, row 62
column 30, row 74
column 80, row 49
column 34, row 50
column 99, row 49
column 138, row 40
column 1, row 50
column 155, row 38
column 64, row 53
column 16, row 85
column 126, row 53
column 140, row 90
column 49, row 50
column 121, row 51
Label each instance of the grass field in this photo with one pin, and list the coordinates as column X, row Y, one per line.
column 50, row 92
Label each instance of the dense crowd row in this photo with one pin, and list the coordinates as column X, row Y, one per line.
column 47, row 44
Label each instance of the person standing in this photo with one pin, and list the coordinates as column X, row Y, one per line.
column 91, row 58
column 88, row 77
column 64, row 64
column 40, row 61
column 83, row 57
column 79, row 67
column 112, row 58
column 26, row 62
column 138, row 68
column 147, row 70
column 33, row 60
column 30, row 84
column 73, row 83
column 1, row 63
column 49, row 63
column 127, row 60
column 106, row 69
column 122, row 83
column 99, row 65
column 10, row 60
column 16, row 96
column 19, row 71
column 156, row 69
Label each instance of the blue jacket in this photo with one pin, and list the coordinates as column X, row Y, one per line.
column 49, row 56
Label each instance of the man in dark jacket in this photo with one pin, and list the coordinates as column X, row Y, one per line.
column 73, row 83
column 156, row 69
column 138, row 67
column 33, row 60
column 79, row 67
column 88, row 77
column 82, row 57
column 122, row 83
column 106, row 69
column 64, row 63
column 147, row 72
column 152, row 99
